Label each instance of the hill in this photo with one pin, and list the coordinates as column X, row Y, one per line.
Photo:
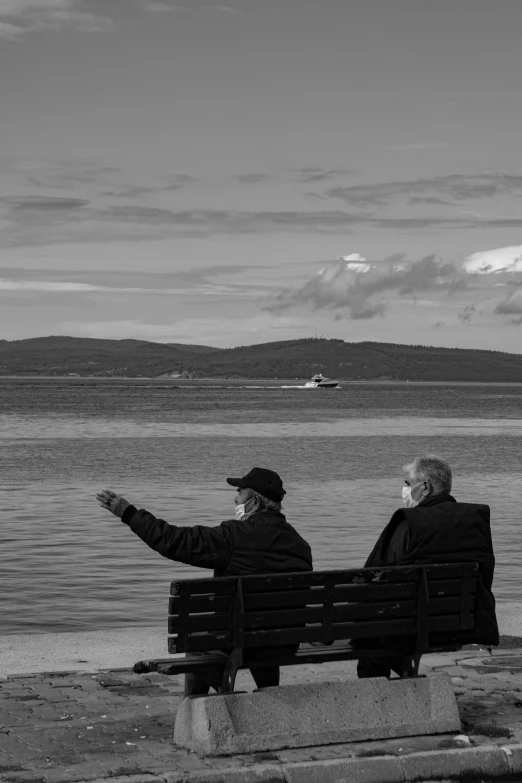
column 62, row 356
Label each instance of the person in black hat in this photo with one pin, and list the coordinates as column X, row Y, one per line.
column 258, row 541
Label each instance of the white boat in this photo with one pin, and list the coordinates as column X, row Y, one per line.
column 320, row 382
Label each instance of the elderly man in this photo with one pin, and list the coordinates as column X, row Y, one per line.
column 258, row 541
column 435, row 528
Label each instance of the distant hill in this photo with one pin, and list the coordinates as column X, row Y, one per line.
column 61, row 356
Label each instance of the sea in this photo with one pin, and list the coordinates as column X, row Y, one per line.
column 69, row 565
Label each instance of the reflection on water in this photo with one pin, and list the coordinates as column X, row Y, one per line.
column 69, row 565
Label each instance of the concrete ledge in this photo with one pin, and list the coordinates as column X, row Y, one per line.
column 261, row 773
column 381, row 769
column 295, row 716
column 486, row 761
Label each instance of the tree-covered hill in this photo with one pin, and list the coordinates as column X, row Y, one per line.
column 61, row 356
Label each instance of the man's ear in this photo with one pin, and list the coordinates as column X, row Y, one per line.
column 427, row 489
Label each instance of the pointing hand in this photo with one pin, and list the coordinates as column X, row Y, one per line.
column 114, row 503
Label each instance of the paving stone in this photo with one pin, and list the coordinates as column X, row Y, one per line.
column 79, row 754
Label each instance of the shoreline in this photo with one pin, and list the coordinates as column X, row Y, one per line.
column 121, row 648
column 90, row 380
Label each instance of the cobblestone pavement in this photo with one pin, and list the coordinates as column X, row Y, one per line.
column 73, row 726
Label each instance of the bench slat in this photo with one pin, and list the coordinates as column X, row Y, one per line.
column 303, row 579
column 275, row 637
column 340, row 612
column 358, row 630
column 200, row 604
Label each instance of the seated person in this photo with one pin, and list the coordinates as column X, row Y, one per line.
column 435, row 528
column 258, row 541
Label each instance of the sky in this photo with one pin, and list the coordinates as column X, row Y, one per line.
column 239, row 172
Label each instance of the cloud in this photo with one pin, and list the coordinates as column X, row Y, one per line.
column 501, row 260
column 8, row 30
column 67, row 287
column 160, row 6
column 467, row 314
column 456, row 187
column 247, row 179
column 45, row 220
column 19, row 17
column 357, row 287
column 512, row 304
column 176, row 182
column 319, row 174
column 199, row 281
column 42, row 203
column 429, row 200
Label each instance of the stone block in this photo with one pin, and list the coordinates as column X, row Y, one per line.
column 295, row 716
column 261, row 773
column 382, row 769
column 472, row 763
column 514, row 758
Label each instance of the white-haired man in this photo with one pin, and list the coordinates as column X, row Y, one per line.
column 435, row 528
column 258, row 541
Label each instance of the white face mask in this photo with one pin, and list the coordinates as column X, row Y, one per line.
column 409, row 502
column 241, row 512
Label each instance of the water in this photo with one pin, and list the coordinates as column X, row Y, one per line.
column 68, row 565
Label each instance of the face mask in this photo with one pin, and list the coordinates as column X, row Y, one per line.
column 407, row 498
column 241, row 511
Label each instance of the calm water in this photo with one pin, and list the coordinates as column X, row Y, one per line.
column 68, row 565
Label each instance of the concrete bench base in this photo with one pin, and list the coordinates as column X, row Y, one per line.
column 295, row 716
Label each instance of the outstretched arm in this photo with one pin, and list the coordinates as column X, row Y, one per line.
column 205, row 547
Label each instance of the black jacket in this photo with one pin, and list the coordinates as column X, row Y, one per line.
column 440, row 530
column 264, row 543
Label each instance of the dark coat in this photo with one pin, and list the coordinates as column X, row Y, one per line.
column 264, row 543
column 440, row 530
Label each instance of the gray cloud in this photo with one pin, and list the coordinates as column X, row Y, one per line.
column 162, row 6
column 176, row 182
column 42, row 203
column 21, row 17
column 429, row 200
column 341, row 286
column 467, row 314
column 40, row 220
column 247, row 179
column 319, row 174
column 457, row 187
column 512, row 304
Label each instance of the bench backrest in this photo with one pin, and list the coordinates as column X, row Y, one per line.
column 321, row 606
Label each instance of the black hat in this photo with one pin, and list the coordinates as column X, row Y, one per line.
column 265, row 482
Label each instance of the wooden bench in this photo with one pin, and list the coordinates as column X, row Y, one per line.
column 325, row 607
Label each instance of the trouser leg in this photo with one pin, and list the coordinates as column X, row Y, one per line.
column 373, row 667
column 199, row 684
column 265, row 677
column 195, row 685
column 383, row 667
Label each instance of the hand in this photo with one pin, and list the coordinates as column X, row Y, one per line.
column 112, row 502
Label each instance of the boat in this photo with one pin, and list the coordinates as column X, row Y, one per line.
column 320, row 382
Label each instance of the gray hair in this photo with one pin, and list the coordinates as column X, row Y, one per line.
column 266, row 503
column 433, row 469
